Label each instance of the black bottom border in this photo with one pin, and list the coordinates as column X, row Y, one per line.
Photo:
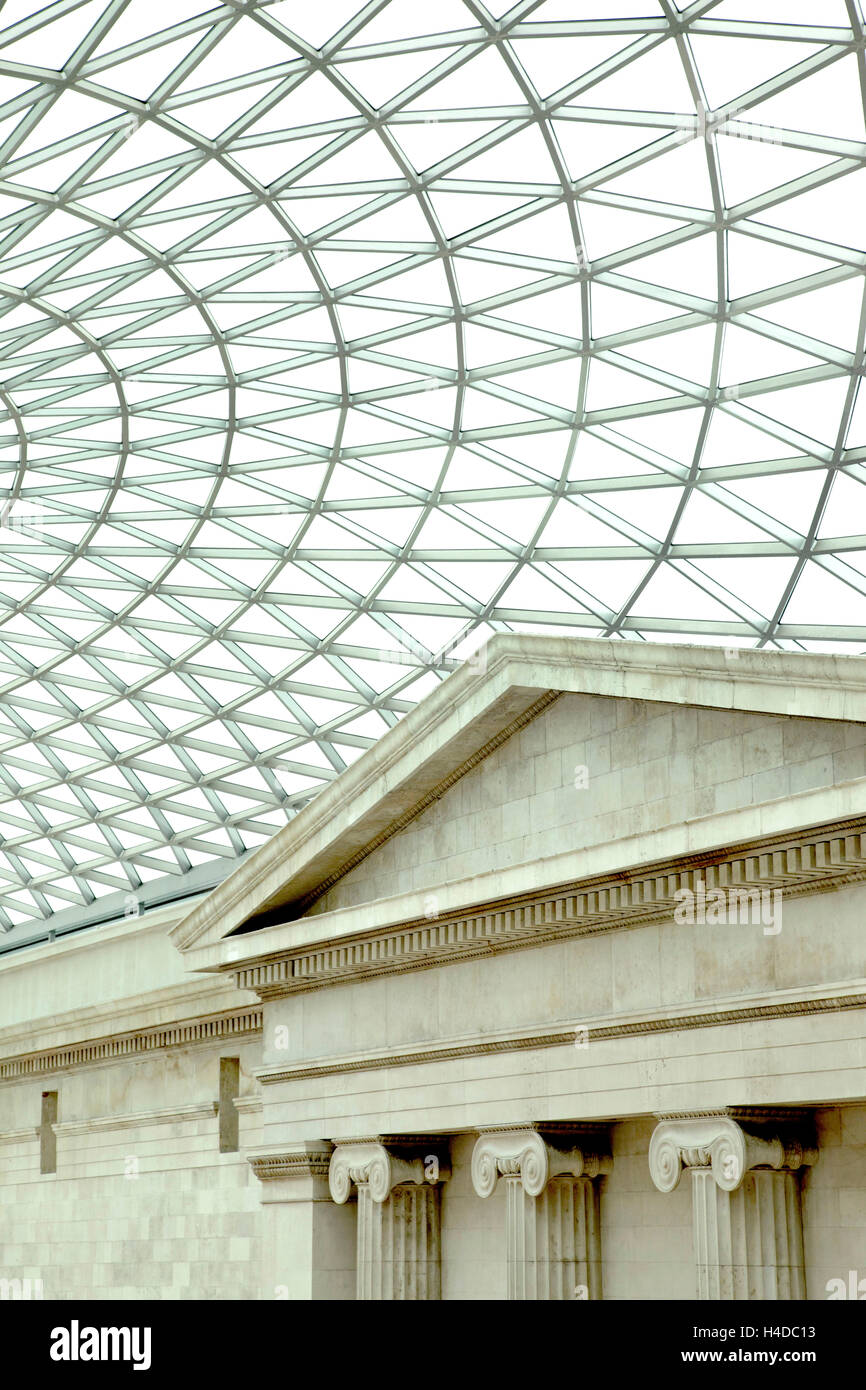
column 243, row 1343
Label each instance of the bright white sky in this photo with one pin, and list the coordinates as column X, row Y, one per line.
column 336, row 337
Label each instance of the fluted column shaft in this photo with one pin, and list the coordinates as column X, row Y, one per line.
column 552, row 1236
column 398, row 1255
column 553, row 1245
column 748, row 1243
column 746, row 1208
column 399, row 1244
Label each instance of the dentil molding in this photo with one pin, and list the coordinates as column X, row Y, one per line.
column 818, row 860
column 192, row 1032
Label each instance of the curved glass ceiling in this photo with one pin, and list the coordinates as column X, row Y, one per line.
column 335, row 337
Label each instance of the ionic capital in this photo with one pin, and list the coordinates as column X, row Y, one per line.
column 525, row 1154
column 721, row 1143
column 378, row 1167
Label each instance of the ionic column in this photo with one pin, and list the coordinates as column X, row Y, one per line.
column 551, row 1213
column 398, row 1239
column 748, row 1225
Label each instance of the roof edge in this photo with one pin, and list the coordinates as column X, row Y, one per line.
column 500, row 683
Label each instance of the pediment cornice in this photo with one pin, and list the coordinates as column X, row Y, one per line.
column 474, row 711
column 745, row 879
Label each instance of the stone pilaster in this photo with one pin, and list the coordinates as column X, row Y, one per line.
column 553, row 1243
column 748, row 1226
column 309, row 1244
column 398, row 1239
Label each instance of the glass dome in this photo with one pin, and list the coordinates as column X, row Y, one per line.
column 336, row 337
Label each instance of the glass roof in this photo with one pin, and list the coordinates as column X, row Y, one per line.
column 336, row 337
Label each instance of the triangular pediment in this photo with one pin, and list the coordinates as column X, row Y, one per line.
column 540, row 749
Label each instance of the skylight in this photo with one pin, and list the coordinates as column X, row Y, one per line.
column 335, row 338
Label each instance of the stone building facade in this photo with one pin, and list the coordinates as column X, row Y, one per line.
column 557, row 993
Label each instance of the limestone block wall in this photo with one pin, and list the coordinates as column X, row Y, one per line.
column 646, row 1235
column 593, row 769
column 473, row 1232
column 143, row 1204
column 190, row 1225
column 834, row 1202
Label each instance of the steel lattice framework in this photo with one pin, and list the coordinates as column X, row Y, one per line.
column 336, row 337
